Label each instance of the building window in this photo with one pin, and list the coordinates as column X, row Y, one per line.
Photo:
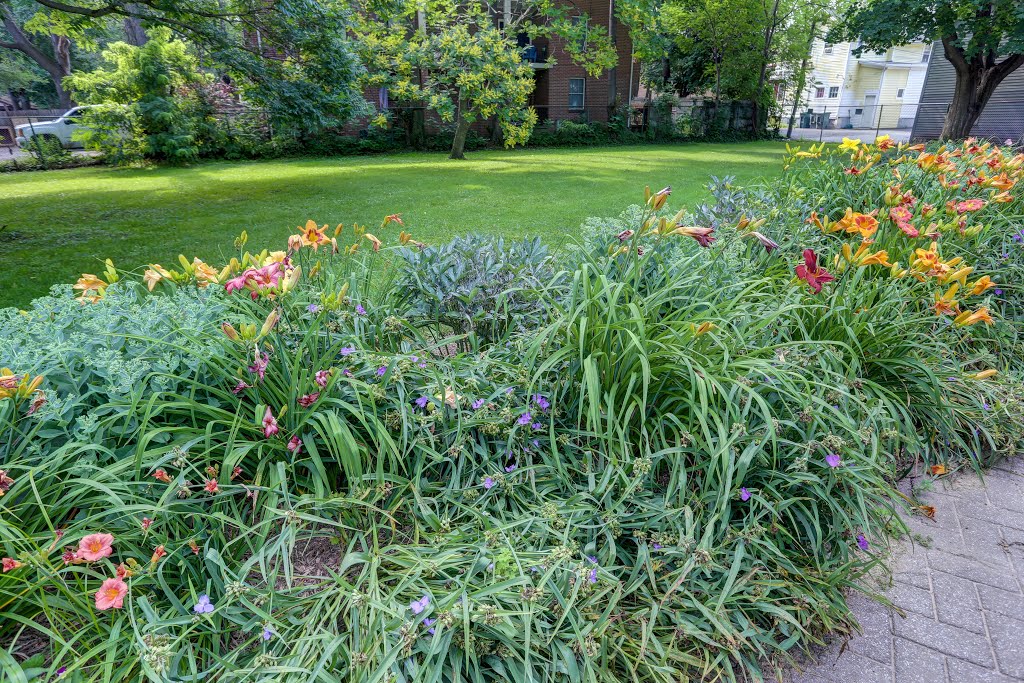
column 577, row 21
column 577, row 90
column 828, row 48
column 899, row 94
column 833, row 92
column 927, row 54
column 819, row 91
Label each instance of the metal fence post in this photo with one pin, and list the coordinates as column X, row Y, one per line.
column 821, row 125
column 878, row 126
column 38, row 144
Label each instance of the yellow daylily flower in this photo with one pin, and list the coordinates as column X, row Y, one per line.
column 849, row 145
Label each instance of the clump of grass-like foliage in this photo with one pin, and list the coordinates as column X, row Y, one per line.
column 662, row 456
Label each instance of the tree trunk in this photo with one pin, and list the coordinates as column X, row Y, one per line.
column 801, row 81
column 56, row 67
column 459, row 143
column 976, row 81
column 134, row 33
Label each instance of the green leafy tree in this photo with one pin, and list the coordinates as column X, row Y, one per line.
column 453, row 58
column 147, row 106
column 290, row 57
column 982, row 39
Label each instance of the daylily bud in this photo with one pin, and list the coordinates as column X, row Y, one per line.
column 229, row 331
column 269, row 323
column 984, row 374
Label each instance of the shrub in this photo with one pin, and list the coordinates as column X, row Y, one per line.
column 475, row 284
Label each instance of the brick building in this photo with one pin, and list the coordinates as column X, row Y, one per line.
column 565, row 91
column 562, row 91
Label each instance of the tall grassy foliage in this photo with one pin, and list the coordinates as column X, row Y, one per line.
column 660, row 457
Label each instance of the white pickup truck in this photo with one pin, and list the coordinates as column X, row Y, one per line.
column 61, row 129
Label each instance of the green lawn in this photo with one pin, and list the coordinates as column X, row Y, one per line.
column 61, row 223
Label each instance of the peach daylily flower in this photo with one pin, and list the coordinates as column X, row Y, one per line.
column 10, row 564
column 95, row 547
column 111, row 594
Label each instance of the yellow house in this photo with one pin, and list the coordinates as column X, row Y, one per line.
column 874, row 90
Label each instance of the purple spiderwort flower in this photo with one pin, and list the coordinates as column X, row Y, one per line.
column 833, row 460
column 429, row 623
column 60, row 671
column 511, row 468
column 524, row 419
column 267, row 634
column 422, row 401
column 592, row 576
column 479, row 403
column 360, row 310
column 998, row 292
column 203, row 605
column 536, row 426
column 421, row 366
column 744, row 494
column 489, row 482
column 417, row 606
column 347, row 350
column 862, row 542
column 313, row 308
column 656, row 546
column 381, row 370
column 541, row 402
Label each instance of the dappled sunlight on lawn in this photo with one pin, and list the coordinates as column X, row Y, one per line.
column 62, row 223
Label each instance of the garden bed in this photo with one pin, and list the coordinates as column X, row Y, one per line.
column 668, row 452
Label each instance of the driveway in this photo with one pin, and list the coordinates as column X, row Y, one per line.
column 837, row 134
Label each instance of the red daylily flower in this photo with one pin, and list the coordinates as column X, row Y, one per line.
column 811, row 273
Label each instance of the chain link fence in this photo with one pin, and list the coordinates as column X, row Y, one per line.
column 1001, row 120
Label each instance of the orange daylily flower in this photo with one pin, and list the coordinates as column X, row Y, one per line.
column 313, row 236
column 970, row 318
column 981, row 284
column 864, row 223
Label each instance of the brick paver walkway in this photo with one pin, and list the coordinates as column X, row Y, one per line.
column 958, row 588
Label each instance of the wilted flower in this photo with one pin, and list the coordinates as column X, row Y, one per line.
column 240, row 387
column 259, row 366
column 111, row 594
column 10, row 564
column 146, row 523
column 309, row 399
column 5, row 482
column 322, row 377
column 158, row 553
column 702, row 235
column 212, row 486
column 269, row 423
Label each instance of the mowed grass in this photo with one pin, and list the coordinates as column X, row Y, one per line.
column 56, row 225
